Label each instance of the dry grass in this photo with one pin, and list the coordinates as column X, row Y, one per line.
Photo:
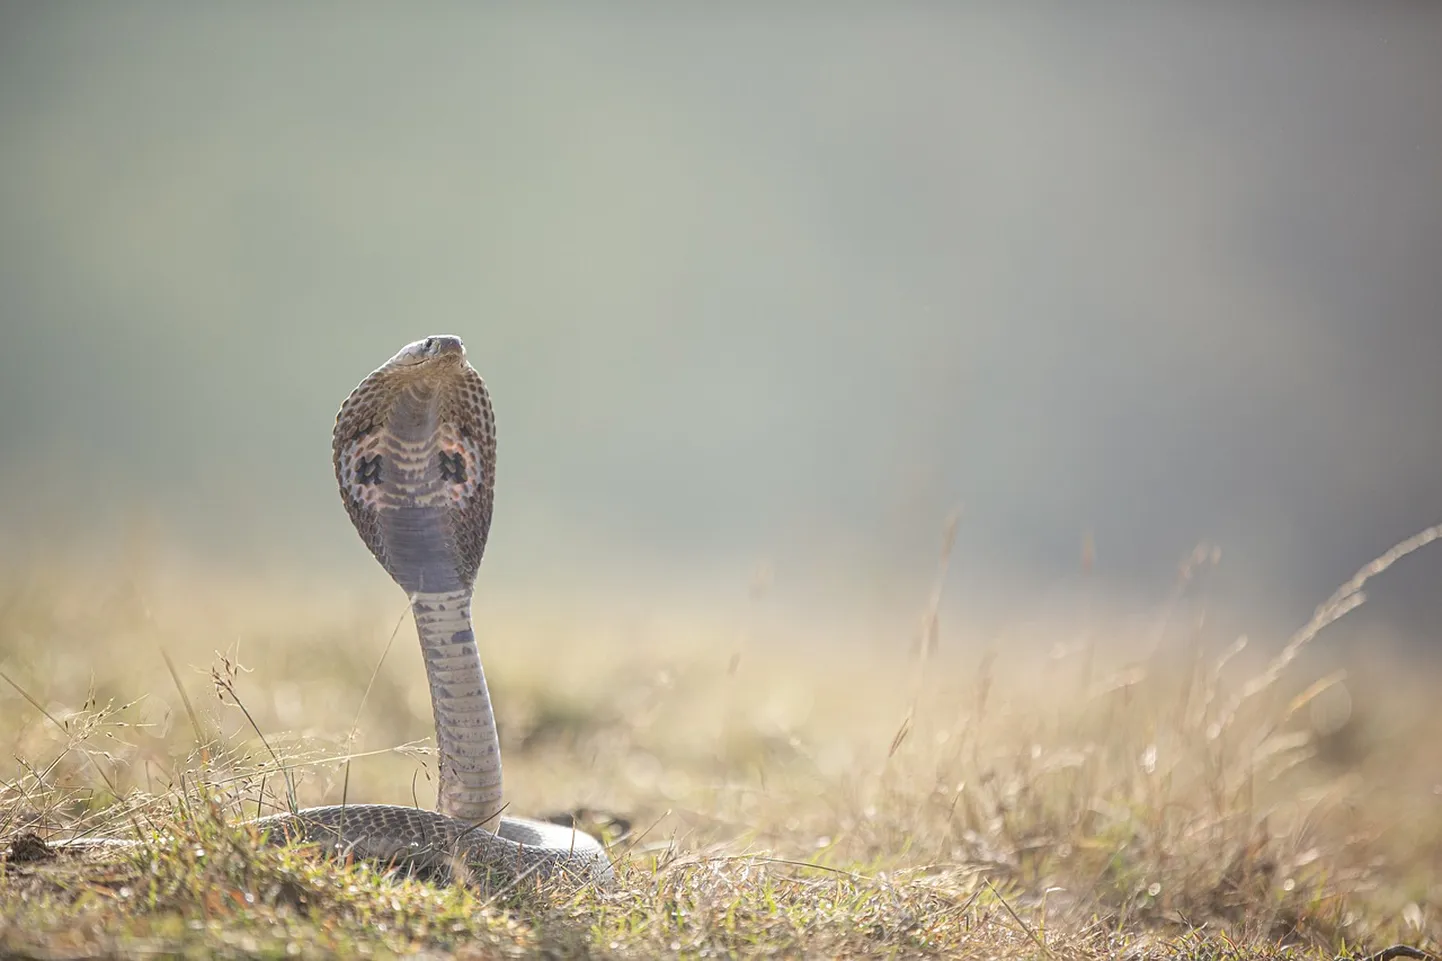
column 971, row 804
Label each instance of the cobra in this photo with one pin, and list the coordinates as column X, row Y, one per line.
column 414, row 450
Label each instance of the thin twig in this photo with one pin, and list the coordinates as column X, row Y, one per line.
column 355, row 722
column 1024, row 926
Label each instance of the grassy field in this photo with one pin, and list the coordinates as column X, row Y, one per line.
column 806, row 798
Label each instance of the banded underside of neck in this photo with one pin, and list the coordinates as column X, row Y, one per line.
column 469, row 770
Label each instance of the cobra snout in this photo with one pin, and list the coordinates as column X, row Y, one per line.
column 432, row 348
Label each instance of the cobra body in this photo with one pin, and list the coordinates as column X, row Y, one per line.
column 414, row 450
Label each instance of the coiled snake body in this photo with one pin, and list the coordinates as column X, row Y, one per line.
column 414, row 449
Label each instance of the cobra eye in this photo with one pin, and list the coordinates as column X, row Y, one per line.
column 430, row 343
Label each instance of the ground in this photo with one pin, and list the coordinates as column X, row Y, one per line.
column 781, row 799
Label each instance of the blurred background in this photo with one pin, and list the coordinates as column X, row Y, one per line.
column 761, row 295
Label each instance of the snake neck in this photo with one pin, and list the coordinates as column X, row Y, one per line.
column 470, row 749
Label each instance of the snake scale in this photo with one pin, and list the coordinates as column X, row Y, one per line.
column 414, row 451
